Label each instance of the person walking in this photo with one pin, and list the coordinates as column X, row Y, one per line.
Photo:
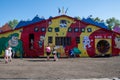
column 8, row 54
column 48, row 52
column 54, row 52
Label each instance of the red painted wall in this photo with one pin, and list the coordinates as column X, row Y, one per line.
column 36, row 51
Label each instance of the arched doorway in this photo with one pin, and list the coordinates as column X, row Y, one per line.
column 103, row 46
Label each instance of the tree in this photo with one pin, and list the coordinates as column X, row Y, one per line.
column 112, row 22
column 13, row 23
column 97, row 19
column 77, row 17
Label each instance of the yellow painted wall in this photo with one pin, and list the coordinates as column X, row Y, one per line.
column 11, row 32
column 62, row 32
column 86, row 33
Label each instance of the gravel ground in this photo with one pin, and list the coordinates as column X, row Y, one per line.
column 63, row 69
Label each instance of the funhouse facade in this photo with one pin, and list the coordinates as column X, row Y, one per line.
column 85, row 38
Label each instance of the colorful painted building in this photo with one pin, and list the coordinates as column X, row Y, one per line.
column 84, row 37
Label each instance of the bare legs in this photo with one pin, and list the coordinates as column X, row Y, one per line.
column 8, row 58
column 55, row 57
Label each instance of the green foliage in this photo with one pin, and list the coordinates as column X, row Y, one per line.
column 112, row 22
column 13, row 23
column 97, row 19
column 77, row 17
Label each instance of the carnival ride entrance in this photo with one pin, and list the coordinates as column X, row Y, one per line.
column 103, row 47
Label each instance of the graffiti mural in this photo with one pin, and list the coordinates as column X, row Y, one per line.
column 41, row 41
column 13, row 41
column 85, row 39
column 86, row 42
column 117, row 42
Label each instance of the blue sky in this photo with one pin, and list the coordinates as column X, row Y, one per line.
column 27, row 9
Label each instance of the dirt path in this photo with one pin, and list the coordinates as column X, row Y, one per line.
column 64, row 68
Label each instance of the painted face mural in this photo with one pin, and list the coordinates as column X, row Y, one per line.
column 63, row 23
column 13, row 41
column 41, row 41
column 117, row 42
column 86, row 42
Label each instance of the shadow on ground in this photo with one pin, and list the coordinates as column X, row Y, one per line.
column 40, row 60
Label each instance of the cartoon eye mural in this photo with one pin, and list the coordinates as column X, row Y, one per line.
column 76, row 29
column 43, row 29
column 57, row 29
column 89, row 29
column 36, row 29
column 69, row 29
column 63, row 23
column 49, row 29
column 82, row 29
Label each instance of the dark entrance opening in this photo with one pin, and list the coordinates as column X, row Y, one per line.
column 31, row 41
column 103, row 46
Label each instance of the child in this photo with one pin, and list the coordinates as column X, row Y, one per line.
column 54, row 52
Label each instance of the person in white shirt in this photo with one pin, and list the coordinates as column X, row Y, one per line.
column 54, row 52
